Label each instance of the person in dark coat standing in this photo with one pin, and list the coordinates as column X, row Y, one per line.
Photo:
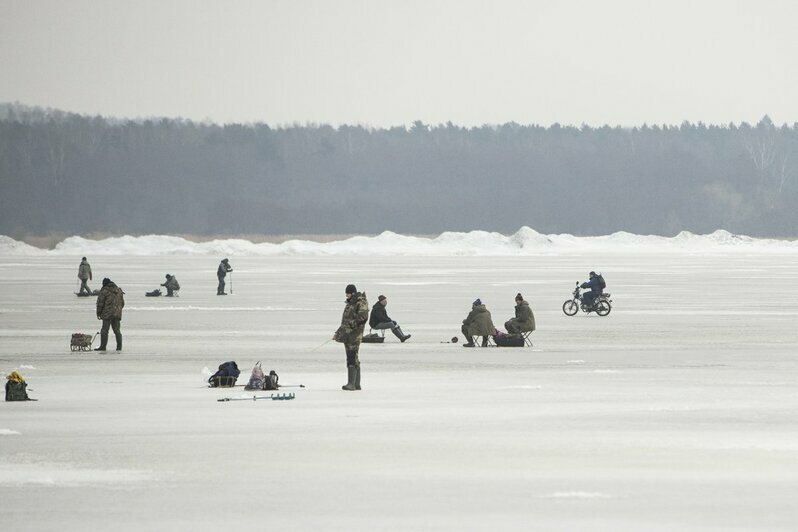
column 84, row 274
column 379, row 319
column 110, row 303
column 221, row 273
column 350, row 333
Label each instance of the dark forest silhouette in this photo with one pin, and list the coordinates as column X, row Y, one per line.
column 68, row 173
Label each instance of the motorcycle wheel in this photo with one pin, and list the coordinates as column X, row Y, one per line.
column 570, row 307
column 603, row 308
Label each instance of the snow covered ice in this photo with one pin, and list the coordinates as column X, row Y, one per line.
column 675, row 412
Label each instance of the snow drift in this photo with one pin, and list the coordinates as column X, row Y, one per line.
column 475, row 243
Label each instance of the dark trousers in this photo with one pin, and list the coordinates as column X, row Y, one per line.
column 469, row 338
column 220, row 288
column 116, row 325
column 588, row 298
column 84, row 285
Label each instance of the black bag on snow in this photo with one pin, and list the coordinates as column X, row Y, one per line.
column 226, row 376
column 17, row 391
column 509, row 340
column 270, row 382
column 602, row 282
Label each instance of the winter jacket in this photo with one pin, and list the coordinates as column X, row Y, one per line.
column 84, row 271
column 378, row 315
column 353, row 320
column 221, row 272
column 478, row 322
column 171, row 284
column 524, row 318
column 593, row 284
column 110, row 302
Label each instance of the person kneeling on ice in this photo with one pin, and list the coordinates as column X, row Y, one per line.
column 478, row 323
column 110, row 303
column 171, row 285
column 350, row 333
column 379, row 319
column 524, row 320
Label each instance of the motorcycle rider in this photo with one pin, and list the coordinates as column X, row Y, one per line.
column 596, row 285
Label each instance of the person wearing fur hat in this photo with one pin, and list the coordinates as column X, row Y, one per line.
column 110, row 303
column 350, row 333
column 478, row 323
column 524, row 320
column 379, row 319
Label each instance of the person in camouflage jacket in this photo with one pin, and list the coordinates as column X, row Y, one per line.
column 350, row 333
column 110, row 303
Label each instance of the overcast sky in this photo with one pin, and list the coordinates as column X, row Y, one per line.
column 384, row 63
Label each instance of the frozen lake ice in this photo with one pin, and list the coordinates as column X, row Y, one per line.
column 675, row 412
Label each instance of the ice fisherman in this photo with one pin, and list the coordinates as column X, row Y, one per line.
column 84, row 274
column 171, row 285
column 110, row 303
column 379, row 319
column 350, row 333
column 596, row 285
column 524, row 320
column 221, row 273
column 478, row 323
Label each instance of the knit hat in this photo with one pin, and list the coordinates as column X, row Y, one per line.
column 224, row 260
column 519, row 297
column 380, row 298
column 106, row 281
column 478, row 302
column 351, row 289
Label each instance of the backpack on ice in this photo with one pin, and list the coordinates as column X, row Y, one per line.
column 271, row 381
column 226, row 376
column 16, row 388
column 256, row 379
column 508, row 340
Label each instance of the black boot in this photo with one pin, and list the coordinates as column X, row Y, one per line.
column 119, row 342
column 357, row 378
column 103, row 342
column 484, row 341
column 470, row 342
column 402, row 336
column 352, row 375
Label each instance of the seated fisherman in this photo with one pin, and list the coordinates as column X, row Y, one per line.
column 478, row 323
column 379, row 319
column 524, row 320
column 171, row 285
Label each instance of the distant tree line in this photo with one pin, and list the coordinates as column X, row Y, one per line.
column 68, row 173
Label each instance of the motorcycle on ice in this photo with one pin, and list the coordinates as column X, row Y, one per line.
column 602, row 305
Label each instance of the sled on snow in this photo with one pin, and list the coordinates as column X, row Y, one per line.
column 81, row 342
column 84, row 294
